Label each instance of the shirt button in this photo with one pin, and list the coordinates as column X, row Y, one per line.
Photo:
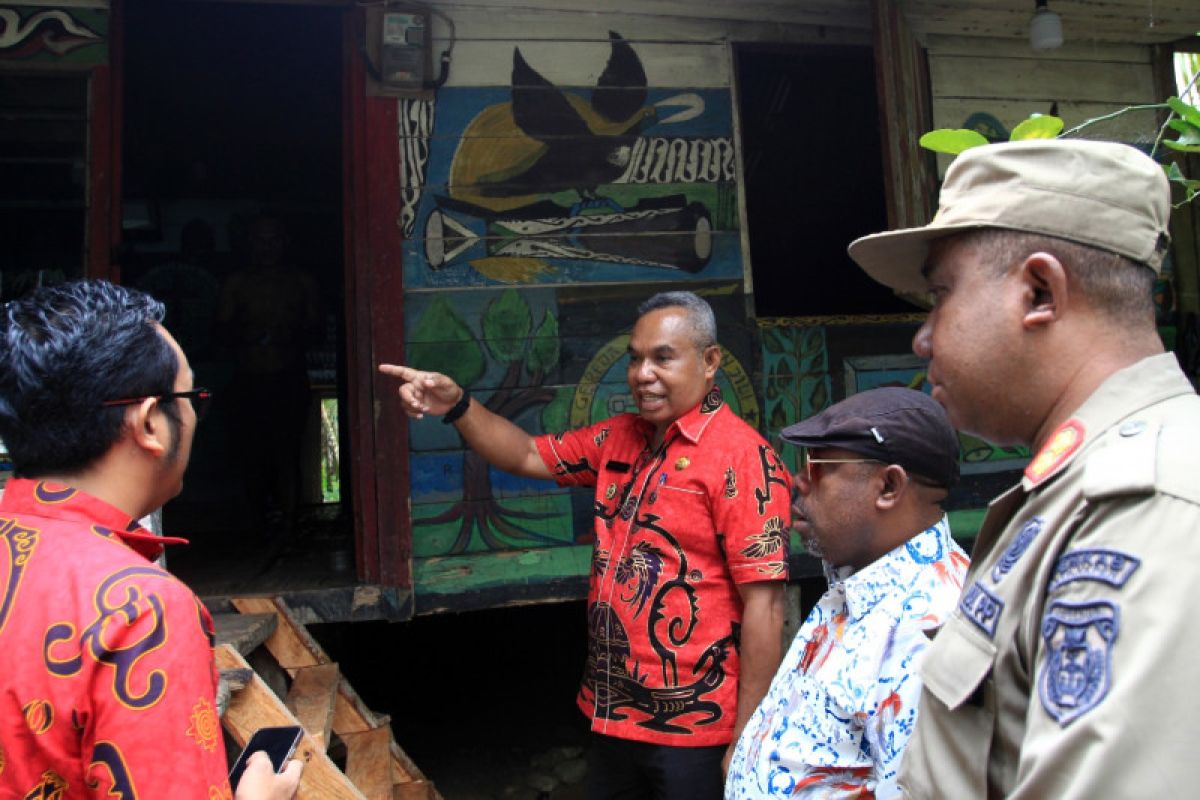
column 1132, row 428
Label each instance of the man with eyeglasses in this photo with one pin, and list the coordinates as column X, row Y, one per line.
column 839, row 712
column 106, row 660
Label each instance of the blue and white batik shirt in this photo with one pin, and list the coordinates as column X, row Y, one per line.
column 844, row 702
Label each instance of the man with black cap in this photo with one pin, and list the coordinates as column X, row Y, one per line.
column 1068, row 668
column 841, row 707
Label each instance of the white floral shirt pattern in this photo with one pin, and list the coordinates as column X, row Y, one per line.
column 843, row 704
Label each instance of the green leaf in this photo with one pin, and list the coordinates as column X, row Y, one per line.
column 441, row 342
column 1189, row 112
column 506, row 324
column 543, row 350
column 1182, row 148
column 952, row 140
column 1038, row 126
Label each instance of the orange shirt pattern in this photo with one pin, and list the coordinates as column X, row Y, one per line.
column 109, row 682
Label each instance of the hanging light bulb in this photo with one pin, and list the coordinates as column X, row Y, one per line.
column 1045, row 28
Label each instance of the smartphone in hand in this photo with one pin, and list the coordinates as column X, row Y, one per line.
column 278, row 743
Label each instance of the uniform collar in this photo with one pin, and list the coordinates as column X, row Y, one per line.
column 46, row 499
column 692, row 424
column 1125, row 392
column 902, row 566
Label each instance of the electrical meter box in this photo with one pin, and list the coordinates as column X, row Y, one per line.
column 404, row 50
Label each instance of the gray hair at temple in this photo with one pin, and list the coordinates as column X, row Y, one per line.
column 700, row 314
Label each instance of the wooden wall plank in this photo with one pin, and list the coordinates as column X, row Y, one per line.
column 573, row 63
column 830, row 13
column 991, row 78
column 974, row 47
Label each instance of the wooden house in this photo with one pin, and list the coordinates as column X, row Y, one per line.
column 489, row 187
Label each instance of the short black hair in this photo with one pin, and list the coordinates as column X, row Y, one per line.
column 64, row 350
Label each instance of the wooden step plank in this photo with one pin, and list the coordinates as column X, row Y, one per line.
column 290, row 643
column 256, row 707
column 312, row 697
column 369, row 762
column 416, row 790
column 244, row 631
column 293, row 647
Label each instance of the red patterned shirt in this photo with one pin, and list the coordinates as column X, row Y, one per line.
column 677, row 529
column 108, row 680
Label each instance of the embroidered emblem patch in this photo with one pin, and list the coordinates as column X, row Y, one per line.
column 1017, row 549
column 1078, row 670
column 1094, row 564
column 1061, row 446
column 981, row 607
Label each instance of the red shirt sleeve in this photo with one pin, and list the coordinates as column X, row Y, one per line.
column 756, row 519
column 574, row 457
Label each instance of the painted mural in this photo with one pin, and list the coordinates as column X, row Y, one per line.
column 543, row 184
column 37, row 33
column 549, row 362
column 799, row 378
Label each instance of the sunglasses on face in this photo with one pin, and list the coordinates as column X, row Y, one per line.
column 812, row 466
column 201, row 399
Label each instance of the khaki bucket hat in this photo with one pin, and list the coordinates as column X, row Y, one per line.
column 1103, row 194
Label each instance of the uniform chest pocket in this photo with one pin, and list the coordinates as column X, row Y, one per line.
column 956, row 724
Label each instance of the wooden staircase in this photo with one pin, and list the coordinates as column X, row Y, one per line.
column 319, row 699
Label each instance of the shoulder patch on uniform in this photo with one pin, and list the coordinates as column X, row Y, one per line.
column 1057, row 450
column 1093, row 564
column 1077, row 673
column 1018, row 547
column 1126, row 464
column 981, row 607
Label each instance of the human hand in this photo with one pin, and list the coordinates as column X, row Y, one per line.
column 424, row 392
column 261, row 782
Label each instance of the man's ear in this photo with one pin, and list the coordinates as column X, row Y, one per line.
column 893, row 483
column 1044, row 289
column 147, row 427
column 712, row 361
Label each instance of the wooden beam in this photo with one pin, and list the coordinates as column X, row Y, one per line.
column 244, row 631
column 311, row 698
column 256, row 707
column 369, row 761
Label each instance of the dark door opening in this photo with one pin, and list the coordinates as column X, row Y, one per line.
column 813, row 176
column 232, row 216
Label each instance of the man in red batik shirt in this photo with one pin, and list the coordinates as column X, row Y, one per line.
column 108, row 680
column 685, row 604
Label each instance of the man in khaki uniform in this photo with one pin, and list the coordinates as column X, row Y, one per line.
column 1067, row 669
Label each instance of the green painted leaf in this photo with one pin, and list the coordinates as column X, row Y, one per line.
column 1185, row 110
column 506, row 325
column 556, row 413
column 441, row 342
column 1038, row 126
column 952, row 140
column 771, row 339
column 543, row 350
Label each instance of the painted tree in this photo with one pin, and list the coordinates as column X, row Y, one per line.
column 444, row 343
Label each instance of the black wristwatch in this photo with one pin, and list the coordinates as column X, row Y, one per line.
column 458, row 409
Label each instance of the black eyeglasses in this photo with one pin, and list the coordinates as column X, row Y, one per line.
column 201, row 400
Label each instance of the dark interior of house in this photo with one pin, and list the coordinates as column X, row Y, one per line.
column 231, row 184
